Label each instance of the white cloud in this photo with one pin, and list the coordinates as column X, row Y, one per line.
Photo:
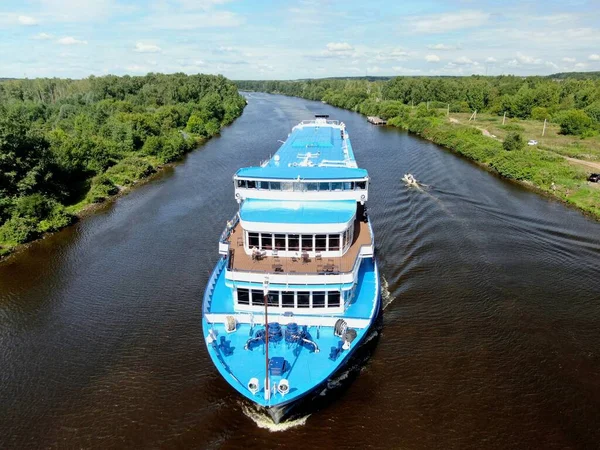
column 404, row 70
column 374, row 69
column 432, row 58
column 525, row 59
column 70, row 40
column 550, row 64
column 463, row 60
column 394, row 54
column 442, row 47
column 137, row 69
column 27, row 20
column 491, row 59
column 191, row 21
column 594, row 57
column 569, row 60
column 140, row 47
column 43, row 36
column 339, row 47
column 581, row 65
column 442, row 23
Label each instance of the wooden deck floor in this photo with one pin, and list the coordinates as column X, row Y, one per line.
column 240, row 261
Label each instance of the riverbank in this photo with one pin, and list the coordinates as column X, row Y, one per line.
column 59, row 154
column 100, row 197
column 543, row 170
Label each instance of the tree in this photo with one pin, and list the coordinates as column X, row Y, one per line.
column 513, row 141
column 574, row 121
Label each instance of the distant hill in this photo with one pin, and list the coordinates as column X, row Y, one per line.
column 577, row 75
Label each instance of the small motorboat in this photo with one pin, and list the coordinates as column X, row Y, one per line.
column 410, row 180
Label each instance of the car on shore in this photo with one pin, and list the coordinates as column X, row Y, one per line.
column 532, row 142
column 594, row 178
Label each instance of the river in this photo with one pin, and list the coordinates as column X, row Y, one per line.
column 491, row 331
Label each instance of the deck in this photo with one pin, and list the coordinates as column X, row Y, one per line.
column 240, row 261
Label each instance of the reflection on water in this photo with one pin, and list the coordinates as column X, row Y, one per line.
column 490, row 331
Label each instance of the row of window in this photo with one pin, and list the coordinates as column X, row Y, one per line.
column 289, row 299
column 300, row 186
column 297, row 242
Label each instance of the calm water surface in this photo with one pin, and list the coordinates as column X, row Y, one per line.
column 491, row 332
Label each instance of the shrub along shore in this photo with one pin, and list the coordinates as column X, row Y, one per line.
column 428, row 106
column 68, row 144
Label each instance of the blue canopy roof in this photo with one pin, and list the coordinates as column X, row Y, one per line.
column 308, row 212
column 304, row 173
column 311, row 152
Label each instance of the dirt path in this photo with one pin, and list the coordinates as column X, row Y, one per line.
column 586, row 164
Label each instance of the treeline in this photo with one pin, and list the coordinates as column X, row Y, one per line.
column 574, row 103
column 71, row 142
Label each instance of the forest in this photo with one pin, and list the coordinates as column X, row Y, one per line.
column 572, row 102
column 68, row 143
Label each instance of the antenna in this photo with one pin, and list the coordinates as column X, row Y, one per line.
column 267, row 385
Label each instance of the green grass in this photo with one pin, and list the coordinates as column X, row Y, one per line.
column 545, row 170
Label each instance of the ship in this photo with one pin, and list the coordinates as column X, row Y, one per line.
column 296, row 292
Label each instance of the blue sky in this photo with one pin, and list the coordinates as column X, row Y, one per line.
column 297, row 39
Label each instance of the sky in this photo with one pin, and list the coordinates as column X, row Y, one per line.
column 260, row 39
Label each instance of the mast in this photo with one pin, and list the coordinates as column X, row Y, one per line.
column 267, row 384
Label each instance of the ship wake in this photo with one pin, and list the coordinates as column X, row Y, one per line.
column 263, row 420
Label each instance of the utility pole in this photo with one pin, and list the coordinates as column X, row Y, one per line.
column 544, row 129
column 504, row 118
column 448, row 110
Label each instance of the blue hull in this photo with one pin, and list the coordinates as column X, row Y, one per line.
column 241, row 365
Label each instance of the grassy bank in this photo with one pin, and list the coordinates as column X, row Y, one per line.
column 69, row 144
column 536, row 167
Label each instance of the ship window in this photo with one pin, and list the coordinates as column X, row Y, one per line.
column 262, row 185
column 299, row 187
column 307, row 242
column 287, row 186
column 273, row 298
column 321, row 242
column 303, row 299
column 275, row 185
column 251, row 184
column 349, row 186
column 253, row 240
column 243, row 297
column 336, row 186
column 287, row 299
column 257, row 298
column 267, row 241
column 312, row 186
column 280, row 242
column 293, row 242
column 333, row 299
column 323, row 186
column 241, row 183
column 361, row 185
column 334, row 242
column 318, row 299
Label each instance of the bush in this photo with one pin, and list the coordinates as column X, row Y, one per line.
column 574, row 121
column 34, row 206
column 129, row 170
column 540, row 113
column 513, row 141
column 102, row 188
column 593, row 111
column 18, row 230
column 512, row 127
column 57, row 219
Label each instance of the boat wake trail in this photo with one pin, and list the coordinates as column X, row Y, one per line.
column 264, row 421
column 386, row 297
